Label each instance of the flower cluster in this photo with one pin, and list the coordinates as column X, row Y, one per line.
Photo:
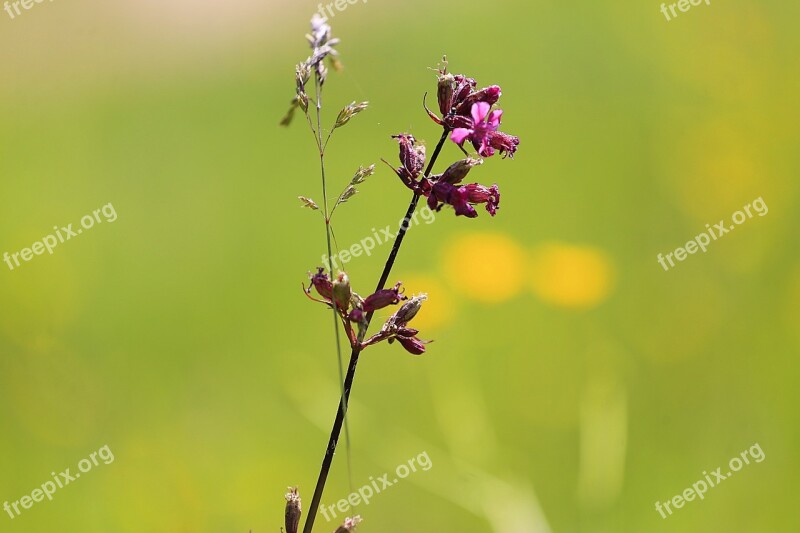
column 445, row 188
column 396, row 328
column 467, row 115
column 353, row 310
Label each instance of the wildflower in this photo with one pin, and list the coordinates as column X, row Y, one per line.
column 444, row 190
column 446, row 193
column 456, row 95
column 384, row 298
column 480, row 194
column 483, row 134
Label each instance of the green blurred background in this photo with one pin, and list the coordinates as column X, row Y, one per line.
column 573, row 382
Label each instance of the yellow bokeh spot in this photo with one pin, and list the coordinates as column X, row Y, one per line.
column 487, row 267
column 571, row 276
column 438, row 310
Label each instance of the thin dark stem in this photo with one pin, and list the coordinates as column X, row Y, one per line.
column 351, row 369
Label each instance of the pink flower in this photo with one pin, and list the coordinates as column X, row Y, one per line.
column 483, row 132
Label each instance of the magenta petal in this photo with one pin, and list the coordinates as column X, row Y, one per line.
column 460, row 135
column 479, row 111
column 494, row 119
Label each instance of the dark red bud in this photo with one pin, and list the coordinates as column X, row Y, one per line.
column 490, row 95
column 383, row 298
column 322, row 283
column 413, row 345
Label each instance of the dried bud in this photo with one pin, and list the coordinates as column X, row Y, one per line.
column 349, row 525
column 293, row 510
column 349, row 112
column 446, row 92
column 408, row 310
column 412, row 156
column 456, row 172
column 342, row 291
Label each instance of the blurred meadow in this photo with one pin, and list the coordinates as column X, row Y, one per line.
column 573, row 382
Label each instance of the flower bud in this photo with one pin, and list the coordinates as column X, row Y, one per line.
column 342, row 291
column 446, row 92
column 489, row 95
column 293, row 510
column 412, row 157
column 456, row 172
column 383, row 298
column 409, row 310
column 322, row 283
column 413, row 345
column 356, row 315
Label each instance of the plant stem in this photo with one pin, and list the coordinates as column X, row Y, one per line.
column 351, row 369
column 337, row 335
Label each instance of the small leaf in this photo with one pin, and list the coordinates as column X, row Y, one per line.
column 349, row 112
column 308, row 202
